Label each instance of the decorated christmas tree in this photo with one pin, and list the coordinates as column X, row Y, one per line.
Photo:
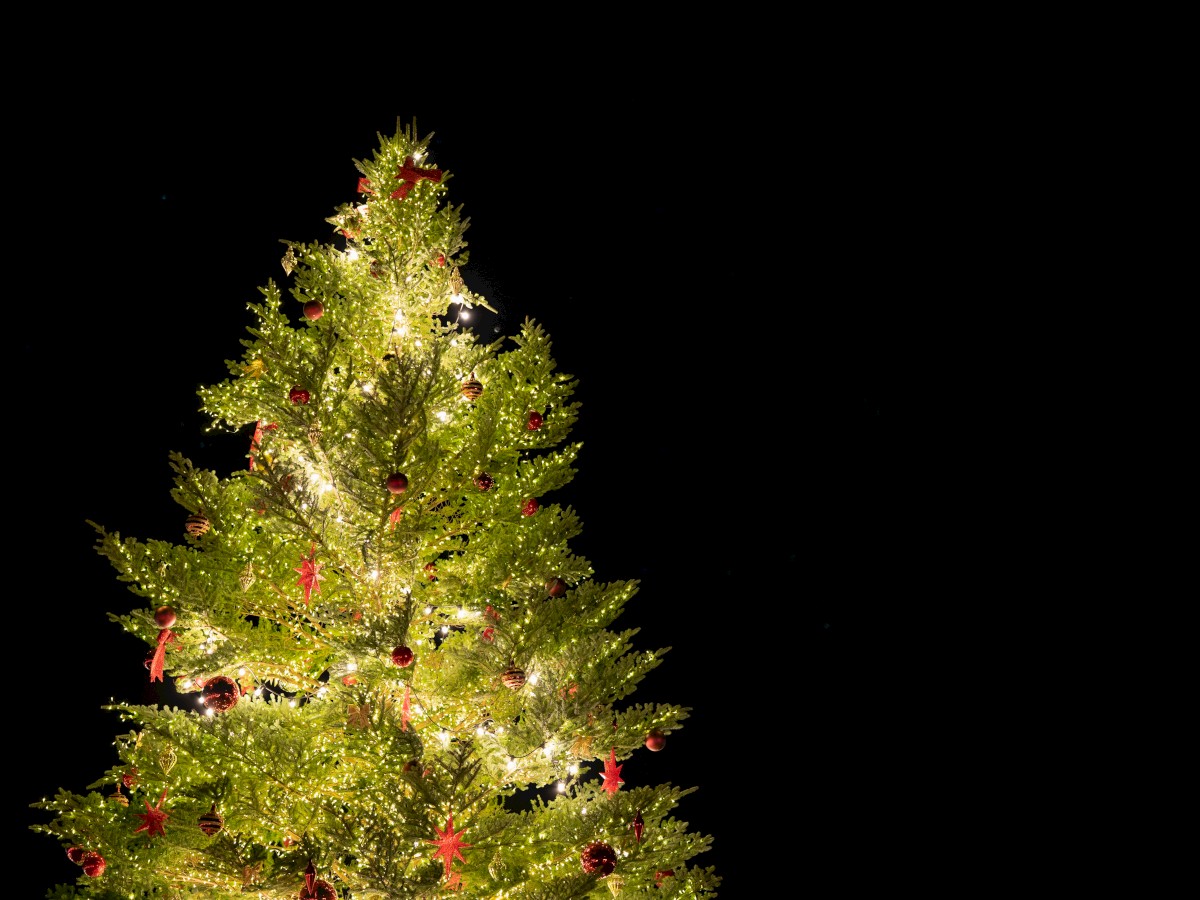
column 396, row 678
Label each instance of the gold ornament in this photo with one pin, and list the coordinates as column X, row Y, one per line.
column 166, row 759
column 582, row 746
column 254, row 368
column 117, row 797
column 472, row 389
column 289, row 261
column 314, row 432
column 197, row 524
column 247, row 577
column 615, row 882
column 211, row 822
column 456, row 283
column 497, row 867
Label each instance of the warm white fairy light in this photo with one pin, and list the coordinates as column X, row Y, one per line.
column 533, row 678
column 561, row 786
column 548, row 750
column 352, row 254
column 241, row 672
column 292, row 703
column 511, row 765
column 573, row 769
column 352, row 666
column 443, row 416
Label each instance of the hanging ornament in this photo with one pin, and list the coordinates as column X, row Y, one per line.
column 364, row 186
column 254, row 368
column 314, row 433
column 513, row 678
column 615, row 883
column 430, row 571
column 166, row 759
column 316, row 888
column 598, row 859
column 556, row 587
column 154, row 819
column 164, row 617
column 117, row 797
column 130, row 778
column 157, row 659
column 76, row 855
column 472, row 389
column 402, row 656
column 196, row 524
column 448, row 844
column 298, row 395
column 221, row 693
column 533, row 420
column 93, row 864
column 394, row 517
column 484, row 481
column 397, row 483
column 612, row 773
column 409, row 174
column 529, row 507
column 497, row 867
column 488, row 634
column 656, row 740
column 638, row 825
column 246, row 578
column 582, row 746
column 440, row 260
column 211, row 822
column 310, row 574
column 313, row 310
column 289, row 261
column 660, row 874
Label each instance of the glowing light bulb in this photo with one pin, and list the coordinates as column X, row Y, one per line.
column 562, row 786
column 511, row 765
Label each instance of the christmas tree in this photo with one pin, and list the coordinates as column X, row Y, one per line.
column 402, row 682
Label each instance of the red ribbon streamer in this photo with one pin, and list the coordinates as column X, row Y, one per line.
column 160, row 652
column 410, row 175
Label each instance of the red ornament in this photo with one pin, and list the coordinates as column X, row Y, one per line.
column 211, row 822
column 397, row 483
column 513, row 678
column 310, row 574
column 313, row 310
column 93, row 864
column 556, row 587
column 661, row 874
column 164, row 617
column 440, row 259
column 448, row 843
column 489, row 634
column 154, row 819
column 130, row 778
column 612, row 773
column 638, row 825
column 349, row 680
column 431, row 571
column 402, row 656
column 76, row 854
column 298, row 394
column 484, row 481
column 221, row 693
column 598, row 858
column 529, row 507
column 472, row 389
column 316, row 888
column 533, row 421
column 656, row 740
column 364, row 186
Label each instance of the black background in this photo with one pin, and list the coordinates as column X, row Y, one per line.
column 724, row 286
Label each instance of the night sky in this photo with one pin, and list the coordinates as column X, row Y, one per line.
column 722, row 291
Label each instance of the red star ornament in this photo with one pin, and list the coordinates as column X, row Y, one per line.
column 612, row 773
column 154, row 818
column 310, row 577
column 448, row 843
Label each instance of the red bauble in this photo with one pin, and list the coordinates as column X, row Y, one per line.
column 320, row 890
column 529, row 507
column 431, row 571
column 598, row 858
column 211, row 822
column 661, row 874
column 221, row 693
column 472, row 389
column 164, row 617
column 402, row 656
column 76, row 855
column 93, row 864
column 556, row 587
column 130, row 778
column 313, row 310
column 484, row 481
column 656, row 740
column 397, row 483
column 441, row 259
column 298, row 394
column 533, row 421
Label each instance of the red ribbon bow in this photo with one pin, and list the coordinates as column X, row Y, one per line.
column 409, row 174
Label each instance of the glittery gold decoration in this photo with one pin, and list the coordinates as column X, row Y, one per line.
column 197, row 524
column 615, row 882
column 456, row 282
column 582, row 746
column 497, row 867
column 472, row 389
column 254, row 368
column 166, row 759
column 247, row 577
column 117, row 797
column 289, row 261
column 314, row 432
column 359, row 716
